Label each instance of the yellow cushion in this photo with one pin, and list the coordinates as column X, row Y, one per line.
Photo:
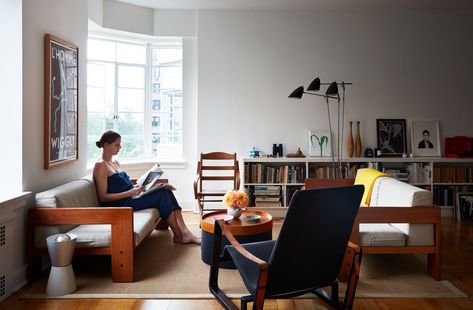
column 366, row 177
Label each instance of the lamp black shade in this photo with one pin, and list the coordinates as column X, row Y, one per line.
column 332, row 89
column 315, row 85
column 297, row 93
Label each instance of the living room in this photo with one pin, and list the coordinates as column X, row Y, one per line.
column 240, row 64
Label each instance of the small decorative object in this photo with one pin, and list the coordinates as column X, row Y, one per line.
column 298, row 153
column 254, row 153
column 391, row 135
column 236, row 202
column 277, row 150
column 369, row 152
column 377, row 152
column 358, row 140
column 425, row 138
column 319, row 143
column 350, row 141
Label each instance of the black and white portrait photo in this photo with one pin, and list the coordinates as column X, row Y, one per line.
column 425, row 138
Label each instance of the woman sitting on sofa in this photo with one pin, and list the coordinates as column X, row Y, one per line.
column 115, row 188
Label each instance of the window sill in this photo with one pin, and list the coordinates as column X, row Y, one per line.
column 144, row 165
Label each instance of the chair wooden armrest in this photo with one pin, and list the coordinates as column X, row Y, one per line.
column 239, row 248
column 121, row 220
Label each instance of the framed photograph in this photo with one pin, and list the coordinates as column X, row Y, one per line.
column 391, row 134
column 425, row 138
column 320, row 144
column 61, row 98
column 464, row 208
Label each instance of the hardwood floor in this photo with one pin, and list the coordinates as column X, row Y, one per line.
column 457, row 249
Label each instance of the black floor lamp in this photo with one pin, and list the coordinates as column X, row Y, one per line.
column 330, row 93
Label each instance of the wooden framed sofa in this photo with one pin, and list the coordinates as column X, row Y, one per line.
column 400, row 219
column 74, row 208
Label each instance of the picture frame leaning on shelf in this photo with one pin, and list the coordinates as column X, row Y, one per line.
column 319, row 143
column 464, row 206
column 391, row 136
column 425, row 138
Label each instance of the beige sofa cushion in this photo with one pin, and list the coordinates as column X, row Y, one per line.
column 101, row 235
column 77, row 193
column 381, row 235
column 390, row 192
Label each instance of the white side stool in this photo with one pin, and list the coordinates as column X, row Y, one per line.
column 61, row 279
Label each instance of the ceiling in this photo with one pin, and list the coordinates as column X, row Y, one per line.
column 302, row 4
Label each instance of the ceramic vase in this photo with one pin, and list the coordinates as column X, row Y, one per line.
column 358, row 140
column 235, row 212
column 350, row 141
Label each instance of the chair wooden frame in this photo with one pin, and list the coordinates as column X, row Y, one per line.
column 350, row 268
column 394, row 214
column 201, row 195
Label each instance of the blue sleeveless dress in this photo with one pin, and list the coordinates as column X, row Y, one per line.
column 162, row 199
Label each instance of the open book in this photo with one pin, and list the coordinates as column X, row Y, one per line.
column 150, row 181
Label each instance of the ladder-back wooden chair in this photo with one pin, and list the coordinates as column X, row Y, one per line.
column 217, row 172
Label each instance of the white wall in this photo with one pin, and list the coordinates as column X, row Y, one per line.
column 412, row 65
column 10, row 102
column 67, row 20
column 126, row 17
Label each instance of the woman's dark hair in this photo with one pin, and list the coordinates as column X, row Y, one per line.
column 109, row 137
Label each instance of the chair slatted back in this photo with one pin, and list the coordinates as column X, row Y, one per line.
column 218, row 166
column 311, row 245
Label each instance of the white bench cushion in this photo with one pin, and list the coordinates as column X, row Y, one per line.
column 381, row 235
column 101, row 235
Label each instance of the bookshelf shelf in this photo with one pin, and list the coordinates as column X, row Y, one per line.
column 445, row 177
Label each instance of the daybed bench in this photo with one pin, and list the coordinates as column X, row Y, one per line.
column 400, row 219
column 74, row 208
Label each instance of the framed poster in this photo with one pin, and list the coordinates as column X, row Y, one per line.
column 464, row 208
column 425, row 138
column 61, row 98
column 320, row 143
column 391, row 134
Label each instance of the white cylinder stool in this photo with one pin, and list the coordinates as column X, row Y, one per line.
column 61, row 279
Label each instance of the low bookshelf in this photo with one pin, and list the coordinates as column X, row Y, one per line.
column 271, row 182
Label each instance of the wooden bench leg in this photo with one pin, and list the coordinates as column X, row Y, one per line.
column 433, row 265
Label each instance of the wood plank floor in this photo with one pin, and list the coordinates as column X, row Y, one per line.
column 457, row 241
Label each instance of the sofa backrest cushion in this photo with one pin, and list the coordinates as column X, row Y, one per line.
column 77, row 193
column 394, row 193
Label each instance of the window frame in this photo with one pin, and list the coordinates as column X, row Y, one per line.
column 147, row 157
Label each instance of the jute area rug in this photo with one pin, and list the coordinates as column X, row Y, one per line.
column 171, row 271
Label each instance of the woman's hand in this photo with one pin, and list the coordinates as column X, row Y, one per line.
column 136, row 190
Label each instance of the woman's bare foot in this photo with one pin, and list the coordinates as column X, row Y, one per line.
column 187, row 239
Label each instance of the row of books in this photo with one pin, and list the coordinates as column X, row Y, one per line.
column 261, row 173
column 270, row 196
column 447, row 195
column 419, row 172
column 453, row 174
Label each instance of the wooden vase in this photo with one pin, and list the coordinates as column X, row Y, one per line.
column 358, row 140
column 350, row 141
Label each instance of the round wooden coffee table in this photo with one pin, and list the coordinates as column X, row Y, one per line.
column 244, row 230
